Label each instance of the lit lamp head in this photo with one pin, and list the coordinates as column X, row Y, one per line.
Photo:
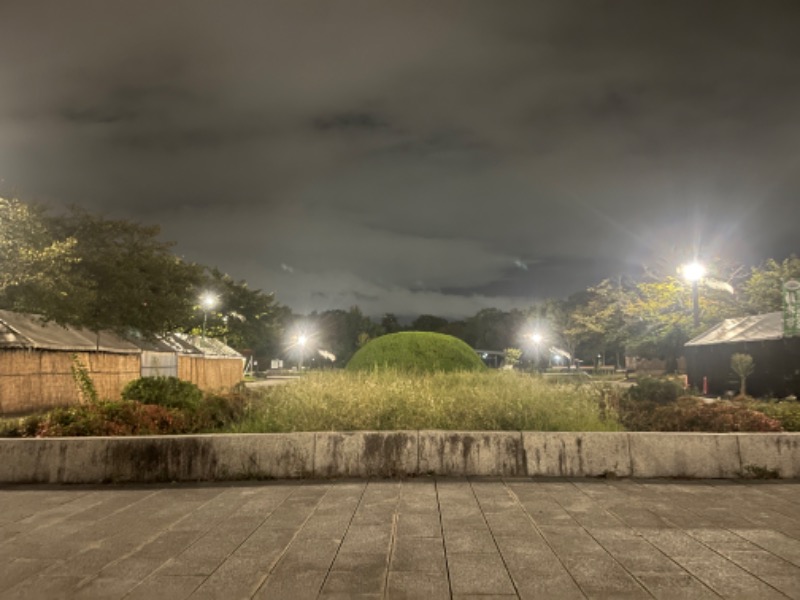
column 694, row 272
column 208, row 301
column 537, row 338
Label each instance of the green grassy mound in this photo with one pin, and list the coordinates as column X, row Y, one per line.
column 416, row 351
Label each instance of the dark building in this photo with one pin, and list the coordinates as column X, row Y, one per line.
column 776, row 356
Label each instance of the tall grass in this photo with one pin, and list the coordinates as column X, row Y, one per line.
column 383, row 400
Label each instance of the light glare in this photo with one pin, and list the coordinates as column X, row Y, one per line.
column 694, row 271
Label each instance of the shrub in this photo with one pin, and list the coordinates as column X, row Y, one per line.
column 170, row 392
column 787, row 412
column 216, row 412
column 692, row 415
column 125, row 417
column 416, row 351
column 659, row 391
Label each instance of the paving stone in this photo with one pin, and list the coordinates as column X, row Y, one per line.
column 55, row 587
column 267, row 542
column 309, row 554
column 775, row 541
column 681, row 585
column 478, row 574
column 530, row 558
column 167, row 586
column 349, row 561
column 368, row 538
column 727, row 579
column 237, row 577
column 424, row 524
column 297, row 584
column 20, row 569
column 418, row 554
column 363, row 579
column 132, row 567
column 546, row 587
column 467, row 540
column 106, row 587
column 168, row 544
column 412, row 585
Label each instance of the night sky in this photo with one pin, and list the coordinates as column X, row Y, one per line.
column 414, row 157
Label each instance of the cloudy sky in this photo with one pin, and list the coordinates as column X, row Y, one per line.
column 416, row 156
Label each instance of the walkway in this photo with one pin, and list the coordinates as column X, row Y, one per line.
column 415, row 538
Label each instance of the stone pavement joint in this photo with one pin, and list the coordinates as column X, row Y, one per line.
column 429, row 538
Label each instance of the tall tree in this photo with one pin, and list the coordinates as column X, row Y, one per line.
column 764, row 288
column 390, row 324
column 245, row 318
column 599, row 320
column 338, row 331
column 494, row 329
column 29, row 252
column 429, row 323
column 122, row 278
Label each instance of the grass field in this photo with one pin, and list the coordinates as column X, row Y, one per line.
column 384, row 400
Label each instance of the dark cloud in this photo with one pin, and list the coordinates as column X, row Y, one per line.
column 416, row 156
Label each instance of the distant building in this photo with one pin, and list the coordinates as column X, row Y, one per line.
column 37, row 359
column 491, row 358
column 775, row 352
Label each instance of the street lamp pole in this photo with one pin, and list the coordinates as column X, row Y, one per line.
column 537, row 340
column 207, row 301
column 693, row 273
column 302, row 343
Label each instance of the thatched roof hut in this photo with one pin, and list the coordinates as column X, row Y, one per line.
column 37, row 358
column 207, row 362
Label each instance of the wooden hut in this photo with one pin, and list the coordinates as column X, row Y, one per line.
column 37, row 360
column 776, row 356
column 208, row 363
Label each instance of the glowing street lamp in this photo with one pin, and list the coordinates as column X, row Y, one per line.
column 207, row 302
column 693, row 273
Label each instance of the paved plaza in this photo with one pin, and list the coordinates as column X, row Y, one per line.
column 414, row 538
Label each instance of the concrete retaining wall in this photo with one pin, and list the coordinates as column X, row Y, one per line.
column 398, row 453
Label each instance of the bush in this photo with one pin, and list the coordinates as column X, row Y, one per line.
column 787, row 412
column 659, row 391
column 216, row 412
column 416, row 351
column 170, row 392
column 688, row 414
column 124, row 417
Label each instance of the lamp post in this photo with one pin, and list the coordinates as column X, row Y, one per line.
column 301, row 341
column 207, row 302
column 537, row 340
column 693, row 273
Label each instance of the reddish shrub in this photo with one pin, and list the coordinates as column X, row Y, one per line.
column 108, row 418
column 712, row 418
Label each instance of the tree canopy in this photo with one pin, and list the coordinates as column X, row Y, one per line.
column 29, row 253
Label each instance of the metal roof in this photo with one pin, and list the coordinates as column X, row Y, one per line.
column 756, row 328
column 26, row 331
column 205, row 345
